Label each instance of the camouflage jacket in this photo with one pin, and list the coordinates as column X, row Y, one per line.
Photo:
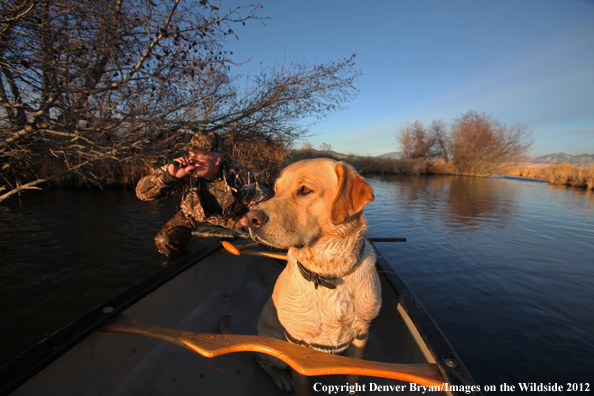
column 234, row 191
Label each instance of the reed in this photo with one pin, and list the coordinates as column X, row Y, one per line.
column 382, row 166
column 559, row 174
column 101, row 174
column 266, row 161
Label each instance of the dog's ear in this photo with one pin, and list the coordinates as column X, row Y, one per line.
column 353, row 194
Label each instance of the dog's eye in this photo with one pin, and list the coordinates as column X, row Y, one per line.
column 304, row 190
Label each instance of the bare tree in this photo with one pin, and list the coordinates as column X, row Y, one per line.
column 406, row 140
column 440, row 138
column 481, row 144
column 88, row 82
column 325, row 147
column 420, row 140
column 307, row 146
column 416, row 142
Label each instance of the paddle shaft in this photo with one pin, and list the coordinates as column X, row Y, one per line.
column 244, row 249
column 236, row 250
column 386, row 239
column 247, row 246
column 280, row 256
column 303, row 360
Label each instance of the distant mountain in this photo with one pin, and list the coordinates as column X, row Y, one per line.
column 579, row 160
column 393, row 155
column 582, row 160
column 338, row 155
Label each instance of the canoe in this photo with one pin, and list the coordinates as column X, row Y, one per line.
column 191, row 295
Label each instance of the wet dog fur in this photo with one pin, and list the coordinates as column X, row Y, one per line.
column 316, row 213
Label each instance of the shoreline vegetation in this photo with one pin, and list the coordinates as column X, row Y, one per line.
column 90, row 100
column 267, row 162
column 555, row 173
column 559, row 174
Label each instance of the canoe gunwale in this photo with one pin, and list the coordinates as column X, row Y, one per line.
column 35, row 359
column 435, row 340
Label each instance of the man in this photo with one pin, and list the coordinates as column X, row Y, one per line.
column 216, row 191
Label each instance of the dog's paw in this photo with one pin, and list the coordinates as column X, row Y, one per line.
column 224, row 325
column 281, row 378
column 283, row 381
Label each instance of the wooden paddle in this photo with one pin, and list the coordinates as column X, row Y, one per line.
column 303, row 360
column 243, row 249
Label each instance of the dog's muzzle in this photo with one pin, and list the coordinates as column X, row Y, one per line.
column 256, row 219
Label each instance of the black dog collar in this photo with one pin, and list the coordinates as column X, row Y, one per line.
column 325, row 280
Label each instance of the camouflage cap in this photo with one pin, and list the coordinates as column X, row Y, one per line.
column 207, row 141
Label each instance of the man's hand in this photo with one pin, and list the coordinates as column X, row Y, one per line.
column 178, row 171
column 243, row 224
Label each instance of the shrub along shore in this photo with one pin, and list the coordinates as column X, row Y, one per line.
column 556, row 174
column 559, row 174
column 268, row 163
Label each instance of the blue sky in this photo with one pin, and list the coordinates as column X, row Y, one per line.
column 521, row 61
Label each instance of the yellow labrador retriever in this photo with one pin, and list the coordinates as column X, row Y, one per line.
column 329, row 292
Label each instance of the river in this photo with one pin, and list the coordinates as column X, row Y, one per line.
column 505, row 267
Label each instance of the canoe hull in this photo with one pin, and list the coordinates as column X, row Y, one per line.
column 220, row 284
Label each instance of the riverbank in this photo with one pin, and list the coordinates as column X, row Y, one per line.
column 558, row 174
column 382, row 166
column 267, row 163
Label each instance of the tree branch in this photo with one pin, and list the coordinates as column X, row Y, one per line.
column 33, row 184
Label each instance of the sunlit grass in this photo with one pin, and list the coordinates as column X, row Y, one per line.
column 383, row 166
column 268, row 161
column 559, row 174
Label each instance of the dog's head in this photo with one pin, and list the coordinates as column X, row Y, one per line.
column 312, row 198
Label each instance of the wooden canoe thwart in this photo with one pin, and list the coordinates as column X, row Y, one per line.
column 303, row 360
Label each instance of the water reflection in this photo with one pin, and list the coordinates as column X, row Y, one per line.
column 577, row 198
column 504, row 268
column 64, row 252
column 463, row 203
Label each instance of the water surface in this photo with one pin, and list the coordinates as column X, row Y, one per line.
column 64, row 252
column 504, row 267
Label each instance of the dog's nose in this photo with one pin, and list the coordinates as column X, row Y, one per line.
column 256, row 218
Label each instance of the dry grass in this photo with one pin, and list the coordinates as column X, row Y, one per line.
column 560, row 174
column 383, row 166
column 268, row 159
column 102, row 174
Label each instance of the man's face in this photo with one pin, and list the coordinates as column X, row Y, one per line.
column 205, row 163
